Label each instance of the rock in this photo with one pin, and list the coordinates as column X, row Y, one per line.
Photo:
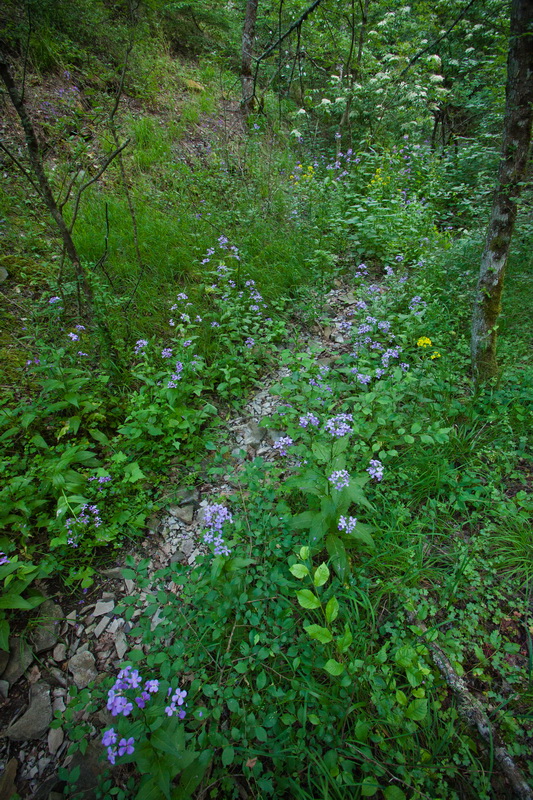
column 34, row 723
column 7, row 780
column 20, row 658
column 91, row 766
column 130, row 585
column 3, row 274
column 4, row 658
column 183, row 513
column 55, row 677
column 4, row 691
column 193, row 85
column 102, row 625
column 117, row 623
column 186, row 495
column 46, row 634
column 58, row 704
column 253, row 434
column 60, row 652
column 121, row 644
column 112, row 572
column 82, row 668
column 103, row 607
column 55, row 740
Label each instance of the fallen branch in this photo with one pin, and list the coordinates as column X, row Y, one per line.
column 472, row 711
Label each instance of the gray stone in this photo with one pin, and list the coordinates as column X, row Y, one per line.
column 112, row 572
column 58, row 704
column 55, row 740
column 130, row 585
column 34, row 723
column 8, row 788
column 102, row 625
column 183, row 513
column 20, row 658
column 60, row 652
column 3, row 274
column 103, row 607
column 45, row 636
column 253, row 434
column 121, row 644
column 117, row 623
column 274, row 435
column 186, row 495
column 4, row 658
column 82, row 667
column 4, row 688
column 55, row 677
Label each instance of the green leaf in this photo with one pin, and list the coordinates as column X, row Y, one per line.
column 393, row 793
column 417, row 710
column 149, row 790
column 261, row 734
column 361, row 533
column 304, row 520
column 98, row 436
column 133, row 472
column 299, row 571
column 416, row 427
column 369, row 787
column 313, row 719
column 338, row 555
column 4, row 635
column 228, row 755
column 356, row 495
column 332, row 610
column 321, row 452
column 192, row 776
column 261, row 680
column 317, row 632
column 334, row 667
column 321, row 575
column 14, row 601
column 307, row 599
column 344, row 641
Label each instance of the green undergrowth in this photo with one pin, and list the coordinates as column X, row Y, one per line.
column 398, row 493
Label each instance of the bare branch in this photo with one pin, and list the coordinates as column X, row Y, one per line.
column 86, row 185
column 21, row 168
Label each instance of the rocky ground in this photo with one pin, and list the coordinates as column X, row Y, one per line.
column 76, row 641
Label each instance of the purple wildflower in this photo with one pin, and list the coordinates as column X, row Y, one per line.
column 54, row 300
column 309, row 419
column 126, row 746
column 347, row 524
column 3, row 559
column 375, row 470
column 166, row 352
column 74, row 337
column 338, row 426
column 340, row 478
column 140, row 345
column 281, row 445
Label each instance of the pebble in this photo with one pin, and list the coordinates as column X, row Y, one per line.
column 103, row 607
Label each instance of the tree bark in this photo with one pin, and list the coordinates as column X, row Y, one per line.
column 513, row 164
column 45, row 190
column 247, row 81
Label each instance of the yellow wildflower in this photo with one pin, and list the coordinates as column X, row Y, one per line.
column 435, row 354
column 424, row 342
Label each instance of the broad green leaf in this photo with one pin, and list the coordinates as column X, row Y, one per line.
column 337, row 553
column 334, row 667
column 360, row 534
column 228, row 755
column 304, row 553
column 344, row 641
column 307, row 599
column 356, row 495
column 401, row 697
column 321, row 575
column 340, row 446
column 261, row 734
column 303, row 520
column 299, row 571
column 332, row 610
column 393, row 793
column 416, row 427
column 4, row 634
column 261, row 680
column 192, row 776
column 369, row 787
column 14, row 601
column 417, row 710
column 317, row 632
column 321, row 452
column 313, row 719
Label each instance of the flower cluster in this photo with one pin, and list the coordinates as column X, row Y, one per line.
column 4, row 559
column 339, row 425
column 176, row 376
column 347, row 524
column 89, row 514
column 215, row 516
column 340, row 478
column 140, row 345
column 120, row 704
column 281, row 445
column 375, row 470
column 424, row 342
column 309, row 419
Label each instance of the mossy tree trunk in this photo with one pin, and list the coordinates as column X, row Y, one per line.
column 42, row 184
column 513, row 165
column 248, row 34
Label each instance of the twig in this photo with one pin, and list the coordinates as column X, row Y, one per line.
column 21, row 168
column 86, row 185
column 474, row 714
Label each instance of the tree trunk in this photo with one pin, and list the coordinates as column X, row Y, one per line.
column 515, row 151
column 248, row 33
column 45, row 190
